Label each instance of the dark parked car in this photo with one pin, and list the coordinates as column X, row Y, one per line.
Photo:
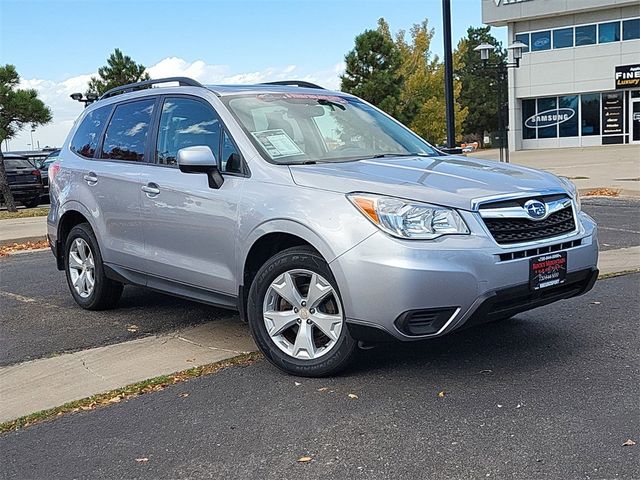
column 25, row 180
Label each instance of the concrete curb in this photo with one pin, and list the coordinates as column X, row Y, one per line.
column 11, row 241
column 50, row 382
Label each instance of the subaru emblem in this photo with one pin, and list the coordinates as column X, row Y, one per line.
column 536, row 209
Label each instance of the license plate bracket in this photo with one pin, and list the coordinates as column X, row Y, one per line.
column 547, row 270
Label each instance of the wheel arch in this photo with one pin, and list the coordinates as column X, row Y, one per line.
column 74, row 214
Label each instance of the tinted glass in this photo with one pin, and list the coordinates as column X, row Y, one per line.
column 563, row 38
column 590, row 110
column 186, row 122
column 631, row 29
column 87, row 136
column 17, row 164
column 230, row 160
column 547, row 105
column 540, row 41
column 524, row 38
column 585, row 35
column 569, row 128
column 528, row 111
column 126, row 134
column 609, row 32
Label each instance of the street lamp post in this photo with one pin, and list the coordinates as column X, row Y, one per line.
column 502, row 69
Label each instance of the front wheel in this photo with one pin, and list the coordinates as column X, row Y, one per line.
column 296, row 316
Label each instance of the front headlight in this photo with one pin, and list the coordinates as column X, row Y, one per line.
column 573, row 191
column 409, row 219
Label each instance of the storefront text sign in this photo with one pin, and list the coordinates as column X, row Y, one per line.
column 628, row 76
column 549, row 118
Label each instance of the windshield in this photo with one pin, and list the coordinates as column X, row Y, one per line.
column 292, row 128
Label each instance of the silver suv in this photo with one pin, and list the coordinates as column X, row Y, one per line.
column 318, row 217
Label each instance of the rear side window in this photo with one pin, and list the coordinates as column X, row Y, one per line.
column 87, row 136
column 126, row 135
column 17, row 164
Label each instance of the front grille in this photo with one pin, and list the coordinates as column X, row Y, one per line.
column 534, row 252
column 516, row 230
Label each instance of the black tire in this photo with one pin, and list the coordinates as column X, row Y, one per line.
column 106, row 292
column 295, row 258
column 32, row 203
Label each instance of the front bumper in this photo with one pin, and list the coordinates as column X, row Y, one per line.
column 382, row 279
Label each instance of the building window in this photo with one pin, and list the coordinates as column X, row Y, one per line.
column 590, row 110
column 563, row 38
column 540, row 41
column 585, row 35
column 528, row 111
column 548, row 106
column 609, row 32
column 631, row 29
column 524, row 38
column 568, row 107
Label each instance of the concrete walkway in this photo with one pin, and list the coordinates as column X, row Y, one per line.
column 21, row 230
column 50, row 382
column 611, row 166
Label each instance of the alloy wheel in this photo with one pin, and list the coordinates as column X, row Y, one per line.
column 81, row 268
column 302, row 314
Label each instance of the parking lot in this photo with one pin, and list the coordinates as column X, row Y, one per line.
column 551, row 393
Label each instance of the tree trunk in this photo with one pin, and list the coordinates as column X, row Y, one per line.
column 4, row 187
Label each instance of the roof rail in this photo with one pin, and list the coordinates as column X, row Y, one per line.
column 130, row 87
column 295, row 83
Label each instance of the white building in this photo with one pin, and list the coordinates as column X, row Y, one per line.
column 579, row 80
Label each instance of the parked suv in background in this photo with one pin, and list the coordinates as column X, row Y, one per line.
column 317, row 216
column 25, row 180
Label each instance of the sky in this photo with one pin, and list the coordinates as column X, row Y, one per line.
column 56, row 45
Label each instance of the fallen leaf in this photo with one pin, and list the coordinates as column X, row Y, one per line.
column 133, row 328
column 297, row 384
column 142, row 459
column 485, row 371
column 191, row 360
column 353, row 396
column 499, row 406
column 596, row 303
column 629, row 443
column 323, row 389
column 18, row 247
column 441, row 394
column 114, row 400
column 304, row 459
column 519, row 405
column 603, row 192
column 183, row 395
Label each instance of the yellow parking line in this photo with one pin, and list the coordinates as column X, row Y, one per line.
column 15, row 296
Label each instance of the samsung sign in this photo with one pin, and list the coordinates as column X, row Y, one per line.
column 550, row 118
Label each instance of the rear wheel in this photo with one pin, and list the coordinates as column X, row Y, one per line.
column 32, row 203
column 89, row 286
column 296, row 316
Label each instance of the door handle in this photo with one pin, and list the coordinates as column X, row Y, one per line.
column 151, row 189
column 91, row 178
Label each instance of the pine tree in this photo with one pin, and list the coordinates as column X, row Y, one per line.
column 120, row 70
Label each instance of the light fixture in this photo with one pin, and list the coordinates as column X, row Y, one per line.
column 484, row 49
column 76, row 96
column 517, row 47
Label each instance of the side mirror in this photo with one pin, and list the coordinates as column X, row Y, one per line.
column 200, row 159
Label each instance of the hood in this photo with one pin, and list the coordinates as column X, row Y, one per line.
column 448, row 180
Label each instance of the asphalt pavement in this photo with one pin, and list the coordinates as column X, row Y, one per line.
column 40, row 319
column 551, row 394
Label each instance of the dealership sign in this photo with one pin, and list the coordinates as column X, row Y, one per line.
column 549, row 118
column 628, row 76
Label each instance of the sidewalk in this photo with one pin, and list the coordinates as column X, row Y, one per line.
column 612, row 166
column 21, row 230
column 50, row 382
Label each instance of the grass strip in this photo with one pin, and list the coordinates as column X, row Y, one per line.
column 134, row 390
column 26, row 213
column 602, row 276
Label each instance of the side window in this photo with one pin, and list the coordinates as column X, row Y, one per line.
column 87, row 136
column 126, row 134
column 186, row 122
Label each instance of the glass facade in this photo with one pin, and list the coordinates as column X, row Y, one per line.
column 607, row 32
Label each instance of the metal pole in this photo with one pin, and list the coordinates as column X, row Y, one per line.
column 448, row 74
column 500, row 116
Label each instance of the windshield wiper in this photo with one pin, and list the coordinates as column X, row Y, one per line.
column 384, row 155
